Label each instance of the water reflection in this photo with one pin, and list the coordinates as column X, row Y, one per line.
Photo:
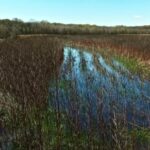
column 84, row 87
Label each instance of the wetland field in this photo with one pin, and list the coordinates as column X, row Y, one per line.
column 75, row 92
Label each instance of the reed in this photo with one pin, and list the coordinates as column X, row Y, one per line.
column 38, row 110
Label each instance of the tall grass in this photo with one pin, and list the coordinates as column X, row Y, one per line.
column 26, row 67
column 131, row 48
column 32, row 115
column 130, row 45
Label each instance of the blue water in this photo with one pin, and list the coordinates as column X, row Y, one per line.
column 85, row 88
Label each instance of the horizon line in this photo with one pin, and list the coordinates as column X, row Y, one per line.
column 71, row 23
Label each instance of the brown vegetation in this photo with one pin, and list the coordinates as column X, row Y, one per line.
column 28, row 121
column 129, row 45
column 132, row 50
column 11, row 28
column 26, row 67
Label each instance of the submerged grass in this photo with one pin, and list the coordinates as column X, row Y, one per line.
column 29, row 67
column 132, row 50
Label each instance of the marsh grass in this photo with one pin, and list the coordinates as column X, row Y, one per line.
column 134, row 66
column 32, row 112
column 26, row 66
column 132, row 50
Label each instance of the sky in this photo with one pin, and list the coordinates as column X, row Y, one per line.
column 99, row 12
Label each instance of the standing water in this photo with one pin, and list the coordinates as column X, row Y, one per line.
column 89, row 85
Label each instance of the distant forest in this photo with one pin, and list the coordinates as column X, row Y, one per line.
column 12, row 28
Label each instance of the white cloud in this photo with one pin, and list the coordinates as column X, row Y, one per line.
column 137, row 17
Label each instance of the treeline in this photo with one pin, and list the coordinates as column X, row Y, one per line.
column 11, row 28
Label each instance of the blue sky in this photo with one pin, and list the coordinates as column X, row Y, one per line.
column 100, row 12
